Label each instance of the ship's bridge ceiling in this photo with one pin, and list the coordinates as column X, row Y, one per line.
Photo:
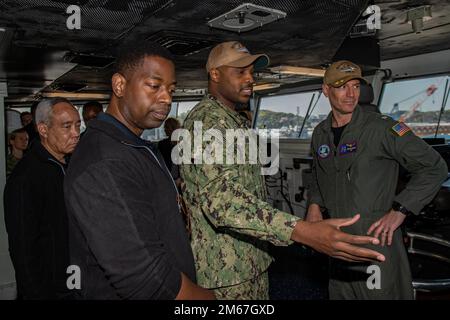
column 39, row 54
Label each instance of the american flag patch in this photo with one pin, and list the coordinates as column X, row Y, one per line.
column 400, row 128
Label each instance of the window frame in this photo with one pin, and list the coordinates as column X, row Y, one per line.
column 289, row 91
column 412, row 78
column 408, row 78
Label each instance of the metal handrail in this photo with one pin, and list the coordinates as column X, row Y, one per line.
column 433, row 284
column 421, row 236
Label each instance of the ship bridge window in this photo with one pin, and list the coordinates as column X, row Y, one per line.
column 292, row 116
column 422, row 103
column 183, row 109
column 178, row 110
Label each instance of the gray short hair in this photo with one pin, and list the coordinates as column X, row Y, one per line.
column 44, row 109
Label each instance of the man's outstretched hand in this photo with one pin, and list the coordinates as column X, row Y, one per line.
column 325, row 236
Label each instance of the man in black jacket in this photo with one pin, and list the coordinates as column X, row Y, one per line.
column 126, row 232
column 35, row 213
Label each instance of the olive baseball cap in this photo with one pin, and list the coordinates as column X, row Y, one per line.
column 342, row 71
column 234, row 54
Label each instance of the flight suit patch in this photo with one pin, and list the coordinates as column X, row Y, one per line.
column 348, row 147
column 400, row 129
column 324, row 151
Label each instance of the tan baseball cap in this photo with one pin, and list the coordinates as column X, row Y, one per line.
column 234, row 54
column 342, row 71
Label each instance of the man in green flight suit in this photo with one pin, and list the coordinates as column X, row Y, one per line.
column 231, row 222
column 356, row 155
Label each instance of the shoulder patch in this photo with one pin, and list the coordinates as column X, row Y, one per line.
column 324, row 151
column 400, row 129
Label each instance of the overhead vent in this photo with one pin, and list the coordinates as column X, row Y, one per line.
column 182, row 43
column 89, row 60
column 246, row 17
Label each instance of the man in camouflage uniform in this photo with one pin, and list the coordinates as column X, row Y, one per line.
column 231, row 221
column 356, row 164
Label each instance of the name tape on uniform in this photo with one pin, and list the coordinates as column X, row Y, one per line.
column 348, row 147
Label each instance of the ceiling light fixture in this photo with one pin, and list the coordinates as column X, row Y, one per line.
column 266, row 86
column 299, row 71
column 77, row 96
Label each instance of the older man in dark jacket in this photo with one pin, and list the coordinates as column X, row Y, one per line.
column 35, row 213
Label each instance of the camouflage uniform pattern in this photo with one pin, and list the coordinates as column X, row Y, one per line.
column 229, row 215
column 254, row 289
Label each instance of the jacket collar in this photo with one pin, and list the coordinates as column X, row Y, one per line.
column 43, row 155
column 231, row 113
column 351, row 135
column 358, row 120
column 116, row 129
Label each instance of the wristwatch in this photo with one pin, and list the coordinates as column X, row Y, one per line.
column 400, row 208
